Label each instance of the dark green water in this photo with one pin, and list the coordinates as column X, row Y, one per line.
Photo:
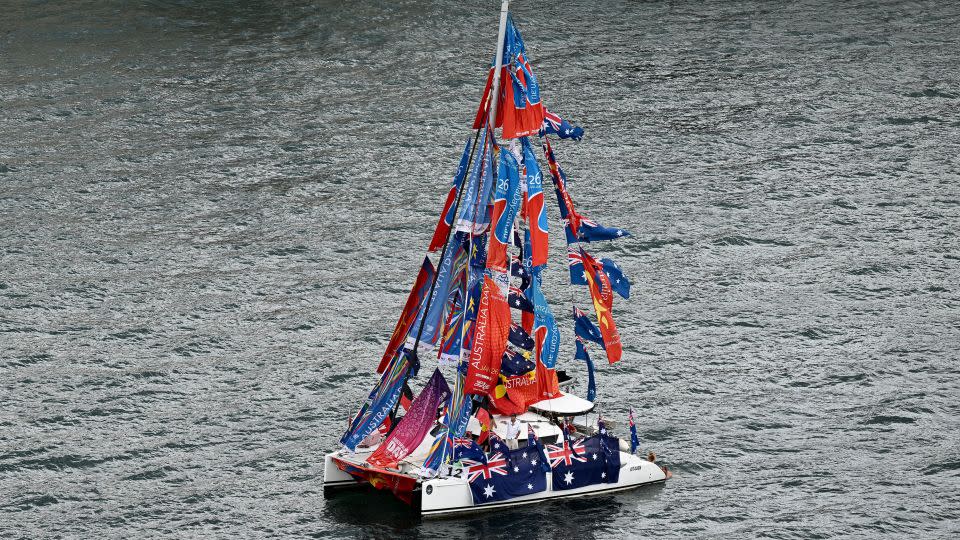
column 211, row 213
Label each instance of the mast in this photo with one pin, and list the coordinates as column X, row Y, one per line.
column 501, row 34
column 504, row 9
column 492, row 117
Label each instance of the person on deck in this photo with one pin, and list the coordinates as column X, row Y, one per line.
column 513, row 432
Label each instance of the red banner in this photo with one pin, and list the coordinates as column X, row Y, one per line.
column 548, row 387
column 490, row 340
column 602, row 294
column 400, row 484
column 514, row 395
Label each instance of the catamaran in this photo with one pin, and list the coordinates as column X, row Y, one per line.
column 510, row 431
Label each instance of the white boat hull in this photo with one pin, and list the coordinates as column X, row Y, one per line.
column 451, row 496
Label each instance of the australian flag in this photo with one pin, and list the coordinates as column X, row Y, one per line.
column 519, row 300
column 634, row 440
column 578, row 274
column 468, row 450
column 591, row 231
column 584, row 327
column 618, row 282
column 497, row 445
column 515, row 364
column 553, row 124
column 520, row 338
column 506, row 475
column 534, row 445
column 594, row 460
column 582, row 354
column 517, row 270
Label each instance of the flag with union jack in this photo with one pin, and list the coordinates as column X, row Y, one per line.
column 594, row 460
column 506, row 475
column 618, row 281
column 494, row 464
column 466, row 449
column 566, row 453
column 554, row 125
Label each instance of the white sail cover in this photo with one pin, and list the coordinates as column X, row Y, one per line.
column 565, row 405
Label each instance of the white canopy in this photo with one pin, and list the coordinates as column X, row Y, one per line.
column 564, row 405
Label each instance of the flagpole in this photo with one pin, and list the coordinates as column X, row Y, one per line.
column 496, row 88
column 492, row 119
column 495, row 94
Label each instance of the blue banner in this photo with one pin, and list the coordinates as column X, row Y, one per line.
column 591, row 382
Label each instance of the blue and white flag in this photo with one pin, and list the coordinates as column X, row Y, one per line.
column 618, row 282
column 515, row 364
column 432, row 320
column 586, row 462
column 518, row 300
column 584, row 327
column 554, row 125
column 468, row 449
column 591, row 231
column 591, row 381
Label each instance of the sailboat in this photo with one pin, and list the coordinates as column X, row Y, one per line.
column 507, row 430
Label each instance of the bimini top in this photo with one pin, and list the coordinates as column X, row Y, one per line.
column 565, row 405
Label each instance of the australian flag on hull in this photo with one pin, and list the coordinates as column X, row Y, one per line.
column 506, row 475
column 594, row 460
